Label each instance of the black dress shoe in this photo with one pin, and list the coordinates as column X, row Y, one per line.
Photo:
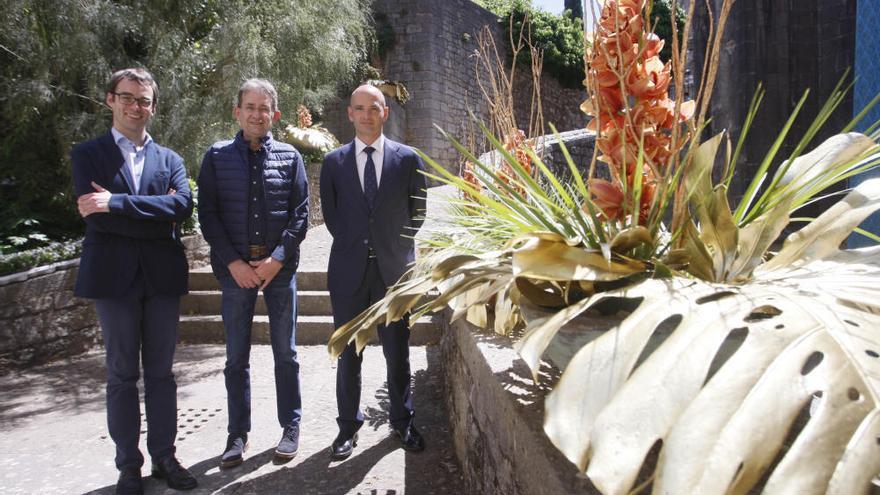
column 174, row 474
column 130, row 482
column 410, row 439
column 343, row 446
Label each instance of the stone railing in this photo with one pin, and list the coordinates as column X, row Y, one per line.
column 580, row 145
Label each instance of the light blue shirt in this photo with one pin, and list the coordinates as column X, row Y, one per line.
column 133, row 154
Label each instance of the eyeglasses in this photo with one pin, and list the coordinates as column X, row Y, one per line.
column 128, row 99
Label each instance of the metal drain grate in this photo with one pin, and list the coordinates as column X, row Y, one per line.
column 188, row 420
column 192, row 419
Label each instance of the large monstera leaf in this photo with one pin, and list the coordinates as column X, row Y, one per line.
column 807, row 343
column 799, row 340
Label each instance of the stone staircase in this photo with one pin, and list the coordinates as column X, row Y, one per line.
column 200, row 321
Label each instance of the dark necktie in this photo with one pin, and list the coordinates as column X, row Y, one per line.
column 371, row 187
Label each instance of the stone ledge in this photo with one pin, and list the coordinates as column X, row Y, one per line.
column 496, row 416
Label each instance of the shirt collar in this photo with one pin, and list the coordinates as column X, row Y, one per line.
column 120, row 139
column 265, row 141
column 378, row 144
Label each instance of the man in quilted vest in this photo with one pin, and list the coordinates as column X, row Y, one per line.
column 254, row 209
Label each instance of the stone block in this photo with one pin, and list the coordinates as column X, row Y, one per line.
column 496, row 413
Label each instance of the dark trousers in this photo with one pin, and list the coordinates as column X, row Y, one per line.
column 140, row 325
column 238, row 316
column 395, row 347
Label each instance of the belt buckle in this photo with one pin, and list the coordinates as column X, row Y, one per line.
column 371, row 253
column 257, row 252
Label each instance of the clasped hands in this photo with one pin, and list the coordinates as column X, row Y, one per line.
column 256, row 273
column 98, row 201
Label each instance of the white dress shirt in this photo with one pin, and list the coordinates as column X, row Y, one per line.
column 361, row 157
column 133, row 154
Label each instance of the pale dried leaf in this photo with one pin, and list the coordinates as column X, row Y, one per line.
column 836, row 150
column 824, row 235
column 722, row 436
column 549, row 257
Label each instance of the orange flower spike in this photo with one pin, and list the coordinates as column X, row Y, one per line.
column 607, row 197
column 645, row 201
column 653, row 46
column 649, row 80
column 304, row 117
column 471, row 178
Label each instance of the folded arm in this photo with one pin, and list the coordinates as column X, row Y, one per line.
column 94, row 204
column 175, row 207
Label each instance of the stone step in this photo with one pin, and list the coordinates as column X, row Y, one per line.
column 208, row 302
column 310, row 330
column 202, row 279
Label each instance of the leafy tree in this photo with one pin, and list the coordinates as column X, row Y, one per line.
column 55, row 58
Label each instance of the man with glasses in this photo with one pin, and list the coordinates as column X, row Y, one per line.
column 133, row 194
column 254, row 212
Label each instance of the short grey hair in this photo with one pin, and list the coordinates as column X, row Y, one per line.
column 261, row 85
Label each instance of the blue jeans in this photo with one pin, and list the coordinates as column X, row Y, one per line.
column 238, row 315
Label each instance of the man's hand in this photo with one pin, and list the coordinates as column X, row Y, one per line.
column 245, row 276
column 96, row 202
column 266, row 269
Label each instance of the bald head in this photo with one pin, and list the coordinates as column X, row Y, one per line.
column 367, row 112
column 371, row 90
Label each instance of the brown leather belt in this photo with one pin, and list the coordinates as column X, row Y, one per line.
column 258, row 252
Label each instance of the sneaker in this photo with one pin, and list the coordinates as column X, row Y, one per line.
column 289, row 444
column 236, row 445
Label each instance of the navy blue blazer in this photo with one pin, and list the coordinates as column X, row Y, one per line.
column 140, row 231
column 397, row 215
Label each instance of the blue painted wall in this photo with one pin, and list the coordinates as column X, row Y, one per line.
column 867, row 86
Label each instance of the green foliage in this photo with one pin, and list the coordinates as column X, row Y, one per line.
column 661, row 14
column 191, row 224
column 55, row 58
column 559, row 38
column 53, row 253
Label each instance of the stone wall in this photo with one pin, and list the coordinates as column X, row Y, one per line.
column 496, row 414
column 41, row 320
column 313, row 171
column 790, row 47
column 431, row 55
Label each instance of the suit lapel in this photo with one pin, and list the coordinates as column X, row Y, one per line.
column 117, row 163
column 151, row 163
column 390, row 161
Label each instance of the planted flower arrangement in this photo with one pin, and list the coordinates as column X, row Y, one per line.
column 662, row 235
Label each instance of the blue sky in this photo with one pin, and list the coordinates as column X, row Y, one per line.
column 553, row 6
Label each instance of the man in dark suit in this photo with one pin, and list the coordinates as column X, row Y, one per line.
column 254, row 212
column 133, row 194
column 372, row 196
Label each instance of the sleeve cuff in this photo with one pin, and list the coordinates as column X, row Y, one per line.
column 279, row 253
column 115, row 205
